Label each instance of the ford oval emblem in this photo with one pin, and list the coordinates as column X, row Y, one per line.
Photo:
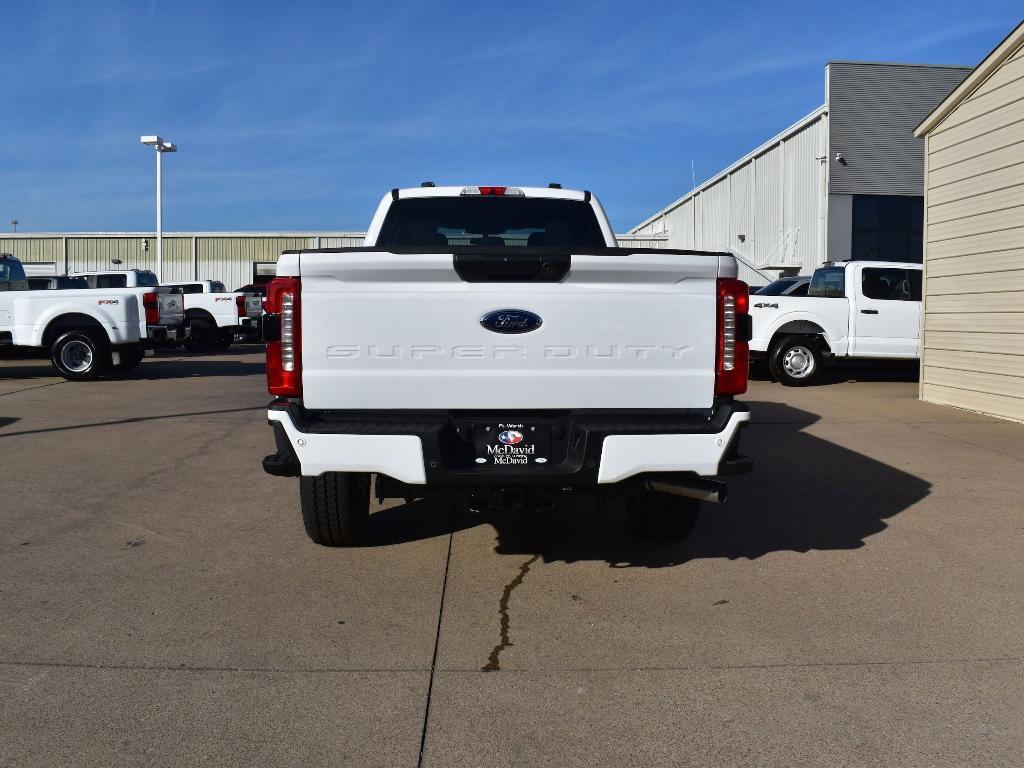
column 511, row 321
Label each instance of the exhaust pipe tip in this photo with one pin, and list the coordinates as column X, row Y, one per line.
column 690, row 488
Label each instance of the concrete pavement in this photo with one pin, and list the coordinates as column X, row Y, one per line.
column 858, row 601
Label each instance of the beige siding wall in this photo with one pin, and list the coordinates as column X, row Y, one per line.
column 973, row 353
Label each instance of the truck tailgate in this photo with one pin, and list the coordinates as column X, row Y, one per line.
column 253, row 306
column 172, row 308
column 383, row 330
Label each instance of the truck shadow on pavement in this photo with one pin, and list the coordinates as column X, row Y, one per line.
column 27, row 370
column 804, row 494
column 197, row 366
column 838, row 371
column 243, row 360
column 415, row 521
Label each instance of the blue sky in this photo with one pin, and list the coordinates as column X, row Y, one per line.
column 299, row 115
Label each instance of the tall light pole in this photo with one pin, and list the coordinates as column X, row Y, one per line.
column 161, row 147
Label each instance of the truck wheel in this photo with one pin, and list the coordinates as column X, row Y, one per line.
column 80, row 355
column 795, row 361
column 657, row 516
column 335, row 507
column 201, row 336
column 130, row 358
column 224, row 340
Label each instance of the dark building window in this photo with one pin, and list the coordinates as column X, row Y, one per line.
column 887, row 228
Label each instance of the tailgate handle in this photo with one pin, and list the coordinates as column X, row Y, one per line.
column 528, row 267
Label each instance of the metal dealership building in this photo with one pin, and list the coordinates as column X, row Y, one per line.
column 846, row 181
column 234, row 258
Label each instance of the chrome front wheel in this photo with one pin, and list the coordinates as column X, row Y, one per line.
column 795, row 360
column 798, row 362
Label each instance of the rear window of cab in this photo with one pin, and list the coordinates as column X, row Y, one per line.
column 490, row 222
column 828, row 282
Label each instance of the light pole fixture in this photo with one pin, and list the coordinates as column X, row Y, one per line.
column 161, row 147
column 14, row 223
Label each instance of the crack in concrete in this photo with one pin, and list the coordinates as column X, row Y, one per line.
column 437, row 642
column 185, row 417
column 493, row 660
column 29, row 389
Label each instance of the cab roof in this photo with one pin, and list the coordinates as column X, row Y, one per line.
column 551, row 193
column 873, row 263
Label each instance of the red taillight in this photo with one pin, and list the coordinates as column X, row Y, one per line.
column 492, row 190
column 240, row 304
column 284, row 356
column 151, row 303
column 732, row 359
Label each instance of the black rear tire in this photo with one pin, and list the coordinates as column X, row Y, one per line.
column 796, row 361
column 130, row 358
column 202, row 336
column 657, row 516
column 335, row 507
column 224, row 340
column 81, row 355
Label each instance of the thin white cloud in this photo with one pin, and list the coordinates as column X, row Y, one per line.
column 935, row 38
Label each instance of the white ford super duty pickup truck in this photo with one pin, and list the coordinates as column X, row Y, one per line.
column 87, row 332
column 494, row 344
column 210, row 321
column 862, row 309
column 213, row 315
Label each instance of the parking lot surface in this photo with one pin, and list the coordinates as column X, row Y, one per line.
column 859, row 600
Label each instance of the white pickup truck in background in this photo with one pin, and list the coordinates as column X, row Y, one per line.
column 214, row 315
column 494, row 344
column 212, row 318
column 118, row 278
column 87, row 332
column 856, row 309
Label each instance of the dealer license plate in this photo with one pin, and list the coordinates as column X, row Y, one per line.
column 511, row 444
